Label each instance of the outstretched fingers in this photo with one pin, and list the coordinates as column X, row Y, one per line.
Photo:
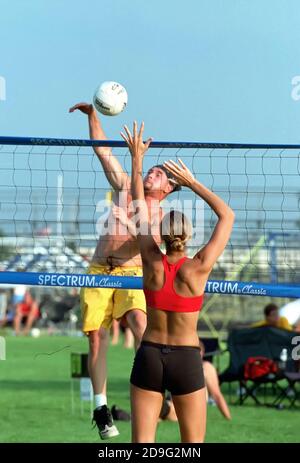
column 80, row 106
column 148, row 142
column 73, row 108
column 135, row 140
column 135, row 136
column 182, row 163
column 141, row 131
column 174, row 182
column 124, row 137
column 129, row 136
column 172, row 167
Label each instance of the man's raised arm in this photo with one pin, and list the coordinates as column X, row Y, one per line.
column 116, row 176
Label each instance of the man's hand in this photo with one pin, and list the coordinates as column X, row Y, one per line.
column 120, row 214
column 183, row 176
column 114, row 172
column 135, row 143
column 85, row 108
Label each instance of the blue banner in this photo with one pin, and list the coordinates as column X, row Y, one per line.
column 122, row 144
column 240, row 288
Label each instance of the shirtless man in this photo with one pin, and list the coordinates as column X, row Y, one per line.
column 117, row 253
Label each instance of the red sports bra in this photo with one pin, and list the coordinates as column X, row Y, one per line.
column 166, row 297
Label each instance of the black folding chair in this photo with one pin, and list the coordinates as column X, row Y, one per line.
column 249, row 387
column 289, row 391
column 251, row 342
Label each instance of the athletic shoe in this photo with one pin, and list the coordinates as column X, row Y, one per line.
column 119, row 415
column 104, row 421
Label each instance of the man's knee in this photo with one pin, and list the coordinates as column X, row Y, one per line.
column 94, row 343
column 103, row 334
column 98, row 339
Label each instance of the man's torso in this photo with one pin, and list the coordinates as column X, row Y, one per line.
column 116, row 246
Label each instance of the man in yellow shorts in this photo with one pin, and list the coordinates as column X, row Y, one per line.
column 117, row 253
column 101, row 305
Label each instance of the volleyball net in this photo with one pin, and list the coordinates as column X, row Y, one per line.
column 55, row 200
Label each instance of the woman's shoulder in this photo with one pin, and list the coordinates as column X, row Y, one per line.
column 190, row 265
column 153, row 263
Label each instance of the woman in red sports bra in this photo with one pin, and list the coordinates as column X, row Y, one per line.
column 169, row 355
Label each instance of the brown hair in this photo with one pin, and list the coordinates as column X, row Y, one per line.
column 170, row 177
column 269, row 309
column 176, row 230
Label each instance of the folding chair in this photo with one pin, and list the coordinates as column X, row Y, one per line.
column 250, row 387
column 293, row 381
column 290, row 391
column 251, row 342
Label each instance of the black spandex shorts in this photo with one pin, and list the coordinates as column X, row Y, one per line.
column 158, row 367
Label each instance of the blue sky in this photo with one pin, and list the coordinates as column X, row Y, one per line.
column 204, row 70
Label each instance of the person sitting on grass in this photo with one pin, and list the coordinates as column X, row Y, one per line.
column 212, row 385
column 26, row 309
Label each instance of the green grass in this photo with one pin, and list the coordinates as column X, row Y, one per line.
column 35, row 400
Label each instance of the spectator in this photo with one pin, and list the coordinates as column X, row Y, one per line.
column 7, row 308
column 3, row 308
column 25, row 307
column 212, row 385
column 272, row 318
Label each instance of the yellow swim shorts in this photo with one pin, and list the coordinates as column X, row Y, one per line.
column 99, row 306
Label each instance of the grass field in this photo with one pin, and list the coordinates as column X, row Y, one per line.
column 35, row 400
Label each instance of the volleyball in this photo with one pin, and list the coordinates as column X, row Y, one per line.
column 110, row 98
column 35, row 332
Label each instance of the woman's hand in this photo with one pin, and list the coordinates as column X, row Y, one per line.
column 135, row 143
column 183, row 176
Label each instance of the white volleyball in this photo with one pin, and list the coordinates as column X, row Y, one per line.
column 110, row 98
